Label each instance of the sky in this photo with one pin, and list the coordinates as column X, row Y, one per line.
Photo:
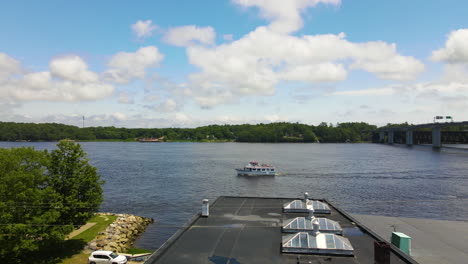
column 185, row 63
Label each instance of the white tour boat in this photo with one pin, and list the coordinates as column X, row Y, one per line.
column 256, row 169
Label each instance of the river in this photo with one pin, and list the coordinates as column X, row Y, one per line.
column 167, row 181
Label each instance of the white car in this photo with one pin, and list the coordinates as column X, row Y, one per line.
column 103, row 256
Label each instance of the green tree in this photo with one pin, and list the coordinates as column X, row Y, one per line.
column 42, row 197
column 77, row 183
column 29, row 207
column 309, row 136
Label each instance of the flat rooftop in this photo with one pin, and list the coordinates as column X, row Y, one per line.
column 248, row 230
column 432, row 241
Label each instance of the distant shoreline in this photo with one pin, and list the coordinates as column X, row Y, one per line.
column 280, row 132
column 187, row 141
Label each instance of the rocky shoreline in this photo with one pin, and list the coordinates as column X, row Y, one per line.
column 120, row 235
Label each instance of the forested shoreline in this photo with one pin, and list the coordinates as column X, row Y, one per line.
column 272, row 132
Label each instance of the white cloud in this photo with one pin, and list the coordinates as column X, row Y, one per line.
column 126, row 66
column 455, row 50
column 188, row 35
column 447, row 93
column 72, row 68
column 273, row 118
column 41, row 86
column 8, row 66
column 119, row 116
column 143, row 29
column 151, row 98
column 125, row 98
column 395, row 67
column 7, row 108
column 253, row 65
column 367, row 92
column 68, row 80
column 427, row 90
column 285, row 16
column 170, row 105
column 455, row 72
column 459, row 103
column 228, row 37
column 323, row 72
column 181, row 117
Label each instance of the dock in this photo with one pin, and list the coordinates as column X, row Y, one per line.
column 432, row 241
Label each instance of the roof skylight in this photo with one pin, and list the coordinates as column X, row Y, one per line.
column 300, row 206
column 318, row 243
column 304, row 224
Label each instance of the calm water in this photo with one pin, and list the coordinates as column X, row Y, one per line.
column 167, row 181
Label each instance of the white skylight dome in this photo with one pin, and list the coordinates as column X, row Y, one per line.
column 304, row 224
column 318, row 243
column 303, row 206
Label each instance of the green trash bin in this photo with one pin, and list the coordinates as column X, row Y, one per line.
column 402, row 241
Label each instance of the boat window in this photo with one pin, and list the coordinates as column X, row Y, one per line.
column 263, row 169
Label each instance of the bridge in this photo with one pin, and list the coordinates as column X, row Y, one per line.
column 431, row 133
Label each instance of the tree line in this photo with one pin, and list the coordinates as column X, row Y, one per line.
column 272, row 132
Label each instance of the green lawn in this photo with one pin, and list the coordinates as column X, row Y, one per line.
column 101, row 223
column 71, row 255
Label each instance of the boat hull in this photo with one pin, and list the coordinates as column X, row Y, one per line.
column 242, row 172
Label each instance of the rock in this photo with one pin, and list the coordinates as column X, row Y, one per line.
column 101, row 243
column 112, row 244
column 119, row 235
column 93, row 246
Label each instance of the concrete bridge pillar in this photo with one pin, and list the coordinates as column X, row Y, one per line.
column 409, row 137
column 390, row 137
column 381, row 136
column 436, row 137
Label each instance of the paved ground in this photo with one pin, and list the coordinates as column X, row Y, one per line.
column 80, row 230
column 433, row 241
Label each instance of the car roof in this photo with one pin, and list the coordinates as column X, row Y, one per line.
column 102, row 252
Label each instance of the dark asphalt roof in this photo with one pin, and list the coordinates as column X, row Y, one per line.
column 248, row 230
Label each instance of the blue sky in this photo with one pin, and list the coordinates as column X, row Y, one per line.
column 191, row 63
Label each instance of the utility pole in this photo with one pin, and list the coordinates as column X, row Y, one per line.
column 83, row 121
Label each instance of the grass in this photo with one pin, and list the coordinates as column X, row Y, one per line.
column 86, row 236
column 65, row 252
column 135, row 251
column 68, row 251
column 77, row 258
column 92, row 232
